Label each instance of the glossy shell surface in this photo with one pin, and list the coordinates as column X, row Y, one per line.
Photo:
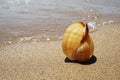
column 76, row 42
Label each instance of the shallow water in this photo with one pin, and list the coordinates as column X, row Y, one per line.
column 46, row 20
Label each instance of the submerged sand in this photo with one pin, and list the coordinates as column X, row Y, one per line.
column 46, row 61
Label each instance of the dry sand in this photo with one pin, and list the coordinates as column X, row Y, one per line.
column 46, row 61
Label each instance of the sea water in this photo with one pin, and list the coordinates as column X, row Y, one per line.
column 46, row 20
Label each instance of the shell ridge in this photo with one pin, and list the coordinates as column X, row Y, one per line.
column 67, row 45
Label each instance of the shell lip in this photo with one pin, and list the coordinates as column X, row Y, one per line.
column 82, row 23
column 86, row 34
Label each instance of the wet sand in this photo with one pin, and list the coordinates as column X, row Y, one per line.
column 46, row 61
column 52, row 29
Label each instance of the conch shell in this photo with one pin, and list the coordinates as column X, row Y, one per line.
column 77, row 43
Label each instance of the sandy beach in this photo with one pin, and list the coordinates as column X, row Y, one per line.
column 30, row 39
column 46, row 61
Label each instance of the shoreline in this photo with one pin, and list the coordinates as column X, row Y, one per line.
column 13, row 35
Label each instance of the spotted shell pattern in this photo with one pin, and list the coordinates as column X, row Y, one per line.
column 77, row 43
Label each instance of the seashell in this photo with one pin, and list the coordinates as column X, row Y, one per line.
column 77, row 43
